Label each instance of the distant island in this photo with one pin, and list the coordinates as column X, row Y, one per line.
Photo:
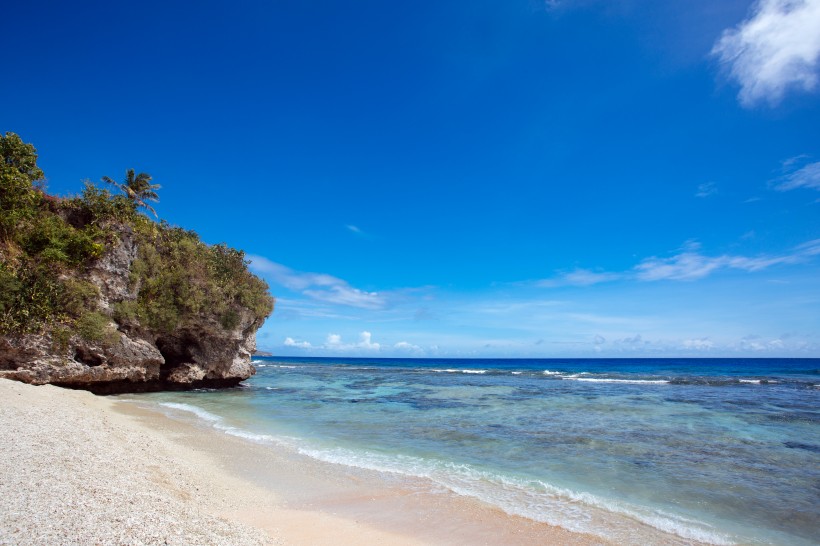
column 96, row 295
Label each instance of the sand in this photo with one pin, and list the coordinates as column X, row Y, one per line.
column 82, row 469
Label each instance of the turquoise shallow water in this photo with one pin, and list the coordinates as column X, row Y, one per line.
column 721, row 451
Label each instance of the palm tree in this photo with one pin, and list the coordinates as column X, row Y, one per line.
column 138, row 189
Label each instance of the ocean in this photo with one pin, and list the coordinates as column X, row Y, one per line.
column 721, row 451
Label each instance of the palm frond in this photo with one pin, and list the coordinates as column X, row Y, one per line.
column 138, row 188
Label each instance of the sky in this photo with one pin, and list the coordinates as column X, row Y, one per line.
column 492, row 178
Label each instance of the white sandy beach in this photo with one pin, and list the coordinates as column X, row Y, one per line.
column 83, row 469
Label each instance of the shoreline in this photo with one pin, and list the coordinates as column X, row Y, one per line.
column 82, row 468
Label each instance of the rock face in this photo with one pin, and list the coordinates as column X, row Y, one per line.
column 201, row 353
column 110, row 272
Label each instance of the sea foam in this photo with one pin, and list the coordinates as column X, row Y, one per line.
column 532, row 499
column 625, row 381
column 218, row 423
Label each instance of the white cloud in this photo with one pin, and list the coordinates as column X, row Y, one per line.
column 346, row 295
column 707, row 189
column 774, row 50
column 683, row 267
column 700, row 344
column 405, row 347
column 334, row 343
column 691, row 265
column 578, row 277
column 688, row 265
column 365, row 342
column 290, row 342
column 809, row 248
column 758, row 344
column 318, row 286
column 806, row 177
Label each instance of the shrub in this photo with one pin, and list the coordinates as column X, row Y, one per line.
column 32, row 299
column 10, row 287
column 60, row 338
column 126, row 313
column 53, row 240
column 101, row 206
column 94, row 326
column 78, row 297
column 230, row 319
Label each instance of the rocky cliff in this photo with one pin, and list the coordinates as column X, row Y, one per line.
column 96, row 296
column 129, row 357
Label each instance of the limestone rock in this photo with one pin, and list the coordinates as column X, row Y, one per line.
column 201, row 353
column 110, row 272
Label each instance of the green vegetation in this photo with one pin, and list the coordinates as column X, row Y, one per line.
column 49, row 244
column 138, row 189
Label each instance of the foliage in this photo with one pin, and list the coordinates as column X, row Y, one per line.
column 103, row 207
column 95, row 327
column 60, row 339
column 19, row 157
column 54, row 240
column 182, row 278
column 78, row 296
column 20, row 180
column 30, row 298
column 47, row 245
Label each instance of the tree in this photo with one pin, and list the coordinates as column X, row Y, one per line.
column 138, row 188
column 18, row 158
column 20, row 180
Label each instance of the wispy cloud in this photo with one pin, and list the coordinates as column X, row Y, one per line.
column 690, row 265
column 318, row 286
column 578, row 277
column 687, row 265
column 510, row 307
column 707, row 189
column 299, row 308
column 807, row 176
column 776, row 49
column 606, row 320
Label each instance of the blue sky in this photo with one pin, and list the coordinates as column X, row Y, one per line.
column 497, row 178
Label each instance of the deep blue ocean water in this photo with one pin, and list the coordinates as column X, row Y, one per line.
column 717, row 450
